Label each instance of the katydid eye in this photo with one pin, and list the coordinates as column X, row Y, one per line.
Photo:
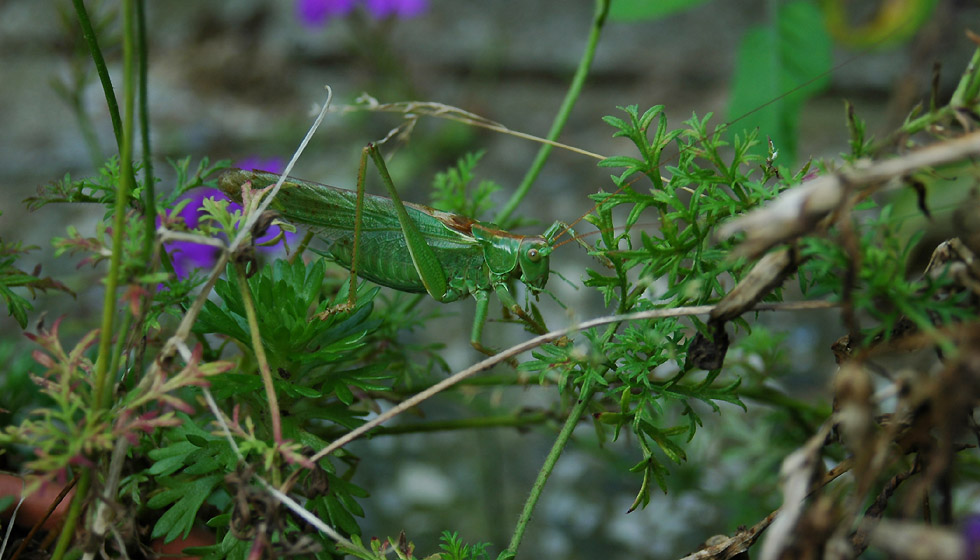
column 533, row 255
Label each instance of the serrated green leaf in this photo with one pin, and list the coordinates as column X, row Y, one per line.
column 616, row 122
column 621, row 161
column 168, row 460
column 187, row 499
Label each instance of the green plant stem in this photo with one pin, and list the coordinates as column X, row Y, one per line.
column 149, row 196
column 121, row 207
column 963, row 98
column 74, row 512
column 121, row 340
column 770, row 396
column 546, row 469
column 303, row 244
column 507, row 379
column 969, row 85
column 574, row 90
column 260, row 357
column 101, row 376
column 93, row 46
column 504, row 421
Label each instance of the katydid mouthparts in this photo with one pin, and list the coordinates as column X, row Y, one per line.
column 409, row 247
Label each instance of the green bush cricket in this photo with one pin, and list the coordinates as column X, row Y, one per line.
column 410, row 247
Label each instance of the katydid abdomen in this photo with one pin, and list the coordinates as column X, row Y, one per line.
column 457, row 256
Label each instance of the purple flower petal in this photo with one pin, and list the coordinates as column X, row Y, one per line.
column 971, row 534
column 380, row 9
column 194, row 210
column 411, row 8
column 270, row 165
column 317, row 13
column 185, row 255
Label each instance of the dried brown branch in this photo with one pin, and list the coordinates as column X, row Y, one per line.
column 798, row 210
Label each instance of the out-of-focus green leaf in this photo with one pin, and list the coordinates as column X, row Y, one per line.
column 645, row 10
column 792, row 55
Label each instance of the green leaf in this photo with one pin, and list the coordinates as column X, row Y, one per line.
column 793, row 55
column 621, row 161
column 339, row 516
column 170, row 459
column 17, row 306
column 645, row 10
column 187, row 499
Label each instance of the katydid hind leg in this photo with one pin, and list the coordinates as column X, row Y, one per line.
column 424, row 258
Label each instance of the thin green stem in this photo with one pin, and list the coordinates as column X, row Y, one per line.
column 969, row 85
column 121, row 340
column 74, row 512
column 546, row 469
column 260, row 357
column 504, row 421
column 303, row 244
column 93, row 46
column 574, row 90
column 149, row 196
column 121, row 207
column 102, row 378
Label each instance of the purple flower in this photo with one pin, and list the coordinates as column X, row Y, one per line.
column 971, row 535
column 187, row 256
column 317, row 13
column 404, row 9
column 272, row 165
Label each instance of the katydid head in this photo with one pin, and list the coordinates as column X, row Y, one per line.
column 533, row 259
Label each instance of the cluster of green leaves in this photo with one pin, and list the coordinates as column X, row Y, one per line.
column 640, row 373
column 13, row 277
column 319, row 364
column 321, row 375
column 453, row 548
column 779, row 67
column 449, row 188
column 869, row 269
column 318, row 360
column 197, row 474
column 782, row 63
column 65, row 431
